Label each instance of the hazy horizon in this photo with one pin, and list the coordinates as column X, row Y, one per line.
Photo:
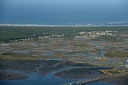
column 59, row 12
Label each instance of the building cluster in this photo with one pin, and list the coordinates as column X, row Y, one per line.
column 95, row 34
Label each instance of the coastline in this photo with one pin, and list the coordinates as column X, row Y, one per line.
column 50, row 25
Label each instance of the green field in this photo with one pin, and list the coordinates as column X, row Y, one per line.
column 19, row 32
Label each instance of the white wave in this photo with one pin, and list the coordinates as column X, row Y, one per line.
column 120, row 22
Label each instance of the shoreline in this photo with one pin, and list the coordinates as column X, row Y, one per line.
column 46, row 25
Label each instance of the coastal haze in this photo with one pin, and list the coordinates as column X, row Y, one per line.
column 63, row 42
column 64, row 12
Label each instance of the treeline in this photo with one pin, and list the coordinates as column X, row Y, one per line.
column 19, row 32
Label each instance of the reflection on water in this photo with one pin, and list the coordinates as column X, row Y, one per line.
column 47, row 53
column 34, row 44
column 49, row 79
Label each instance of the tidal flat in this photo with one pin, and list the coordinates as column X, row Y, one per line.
column 62, row 55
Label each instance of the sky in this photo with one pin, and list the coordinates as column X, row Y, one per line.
column 12, row 10
column 117, row 4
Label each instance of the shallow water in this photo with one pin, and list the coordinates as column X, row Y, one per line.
column 100, row 83
column 49, row 79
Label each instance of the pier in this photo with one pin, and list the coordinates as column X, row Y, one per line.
column 82, row 82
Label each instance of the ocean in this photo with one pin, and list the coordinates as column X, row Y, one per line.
column 62, row 13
